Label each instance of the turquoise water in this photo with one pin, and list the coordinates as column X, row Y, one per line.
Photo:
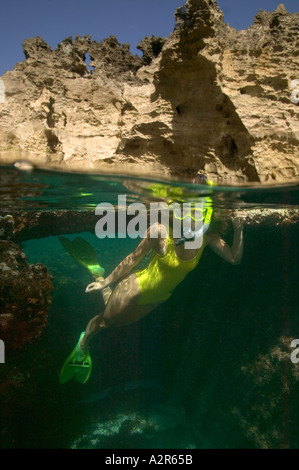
column 209, row 368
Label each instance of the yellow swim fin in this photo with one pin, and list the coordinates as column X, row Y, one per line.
column 78, row 365
column 84, row 254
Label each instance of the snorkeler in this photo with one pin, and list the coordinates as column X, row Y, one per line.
column 137, row 293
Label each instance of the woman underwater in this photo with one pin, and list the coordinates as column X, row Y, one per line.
column 137, row 293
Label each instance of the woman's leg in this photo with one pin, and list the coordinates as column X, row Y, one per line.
column 122, row 309
column 106, row 293
column 96, row 323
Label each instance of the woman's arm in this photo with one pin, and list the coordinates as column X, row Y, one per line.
column 234, row 253
column 149, row 242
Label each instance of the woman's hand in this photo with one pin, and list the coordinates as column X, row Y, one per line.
column 238, row 220
column 97, row 285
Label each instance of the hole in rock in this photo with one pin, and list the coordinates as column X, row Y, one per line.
column 180, row 110
column 87, row 60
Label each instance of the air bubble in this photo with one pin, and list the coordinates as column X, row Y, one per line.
column 24, row 165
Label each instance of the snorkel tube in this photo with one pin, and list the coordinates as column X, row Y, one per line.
column 191, row 235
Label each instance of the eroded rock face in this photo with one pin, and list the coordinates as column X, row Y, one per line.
column 209, row 99
column 25, row 297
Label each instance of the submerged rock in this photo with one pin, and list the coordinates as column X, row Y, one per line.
column 25, row 297
column 23, row 226
column 208, row 98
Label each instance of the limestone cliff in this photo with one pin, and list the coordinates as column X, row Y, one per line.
column 207, row 99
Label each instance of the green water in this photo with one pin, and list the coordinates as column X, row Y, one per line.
column 209, row 368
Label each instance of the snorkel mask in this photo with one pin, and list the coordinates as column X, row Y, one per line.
column 194, row 218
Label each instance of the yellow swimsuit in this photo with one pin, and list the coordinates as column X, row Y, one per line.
column 163, row 273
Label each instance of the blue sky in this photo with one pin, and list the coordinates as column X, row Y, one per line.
column 129, row 20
